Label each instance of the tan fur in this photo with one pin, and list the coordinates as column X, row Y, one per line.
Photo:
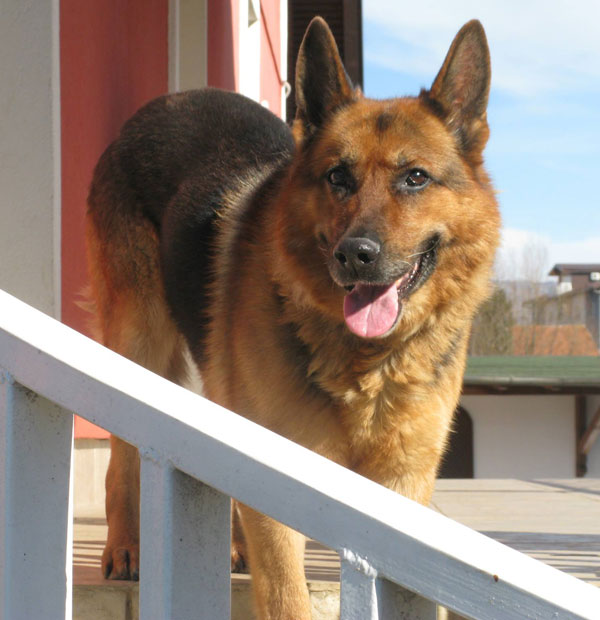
column 277, row 349
column 381, row 412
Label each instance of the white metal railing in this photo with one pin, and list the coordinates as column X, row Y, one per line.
column 195, row 456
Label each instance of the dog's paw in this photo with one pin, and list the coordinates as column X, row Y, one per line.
column 121, row 562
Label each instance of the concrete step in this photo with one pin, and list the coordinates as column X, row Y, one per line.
column 95, row 598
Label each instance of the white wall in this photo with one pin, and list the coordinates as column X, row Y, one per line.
column 30, row 153
column 283, row 24
column 523, row 436
column 249, row 49
column 593, row 459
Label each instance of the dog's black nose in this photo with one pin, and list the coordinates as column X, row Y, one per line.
column 357, row 255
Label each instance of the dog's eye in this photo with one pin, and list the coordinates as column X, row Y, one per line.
column 417, row 178
column 338, row 177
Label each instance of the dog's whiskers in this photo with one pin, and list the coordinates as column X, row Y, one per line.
column 433, row 246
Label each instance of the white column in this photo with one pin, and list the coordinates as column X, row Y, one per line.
column 187, row 44
column 35, row 525
column 30, row 152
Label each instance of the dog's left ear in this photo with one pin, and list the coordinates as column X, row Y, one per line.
column 462, row 87
column 322, row 84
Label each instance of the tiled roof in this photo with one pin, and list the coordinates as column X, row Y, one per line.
column 553, row 340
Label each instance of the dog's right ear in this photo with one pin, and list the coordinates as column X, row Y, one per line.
column 322, row 84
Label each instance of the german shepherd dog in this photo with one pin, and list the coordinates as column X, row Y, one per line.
column 323, row 279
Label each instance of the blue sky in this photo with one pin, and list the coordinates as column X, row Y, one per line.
column 544, row 110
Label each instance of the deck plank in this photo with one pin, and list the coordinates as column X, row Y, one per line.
column 554, row 521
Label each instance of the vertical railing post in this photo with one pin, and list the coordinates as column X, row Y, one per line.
column 358, row 591
column 35, row 460
column 366, row 596
column 184, row 546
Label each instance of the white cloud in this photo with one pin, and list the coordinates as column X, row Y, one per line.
column 527, row 255
column 537, row 46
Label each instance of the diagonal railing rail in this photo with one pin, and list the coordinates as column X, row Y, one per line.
column 398, row 558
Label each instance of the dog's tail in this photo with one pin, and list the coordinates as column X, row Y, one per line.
column 86, row 301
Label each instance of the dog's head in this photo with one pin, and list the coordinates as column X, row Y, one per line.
column 389, row 215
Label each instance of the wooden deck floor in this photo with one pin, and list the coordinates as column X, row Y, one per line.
column 555, row 521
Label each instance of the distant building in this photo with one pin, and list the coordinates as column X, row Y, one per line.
column 556, row 318
column 577, row 277
column 576, row 302
column 527, row 417
column 535, row 412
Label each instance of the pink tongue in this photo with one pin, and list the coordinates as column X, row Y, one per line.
column 371, row 310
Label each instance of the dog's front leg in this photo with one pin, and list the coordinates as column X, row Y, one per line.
column 120, row 559
column 276, row 557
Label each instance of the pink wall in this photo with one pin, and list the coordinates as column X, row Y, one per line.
column 113, row 58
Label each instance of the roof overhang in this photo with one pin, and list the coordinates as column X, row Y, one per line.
column 532, row 375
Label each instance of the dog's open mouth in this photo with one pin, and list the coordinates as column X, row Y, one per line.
column 372, row 310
